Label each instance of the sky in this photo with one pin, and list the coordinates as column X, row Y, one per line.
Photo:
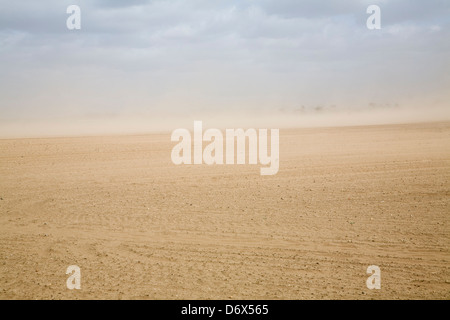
column 145, row 62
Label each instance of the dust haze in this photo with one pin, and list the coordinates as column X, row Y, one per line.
column 164, row 123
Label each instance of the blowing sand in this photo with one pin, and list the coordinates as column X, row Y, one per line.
column 140, row 227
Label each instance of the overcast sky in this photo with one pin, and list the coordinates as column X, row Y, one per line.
column 187, row 56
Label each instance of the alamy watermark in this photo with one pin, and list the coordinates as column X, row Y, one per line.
column 374, row 281
column 73, row 22
column 213, row 153
column 374, row 20
column 74, row 280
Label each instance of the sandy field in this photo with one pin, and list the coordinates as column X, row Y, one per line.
column 140, row 227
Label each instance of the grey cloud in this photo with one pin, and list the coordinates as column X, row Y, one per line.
column 138, row 55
